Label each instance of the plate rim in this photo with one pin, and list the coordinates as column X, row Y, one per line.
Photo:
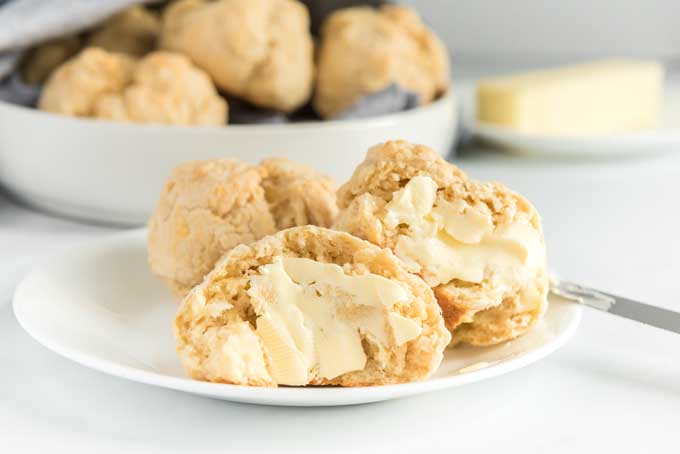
column 624, row 143
column 283, row 396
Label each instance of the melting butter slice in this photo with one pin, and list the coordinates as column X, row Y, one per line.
column 311, row 318
column 404, row 329
column 467, row 224
column 456, row 240
column 288, row 364
column 412, row 203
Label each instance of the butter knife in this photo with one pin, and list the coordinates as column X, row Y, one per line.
column 617, row 305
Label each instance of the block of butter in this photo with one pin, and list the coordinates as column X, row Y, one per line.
column 591, row 98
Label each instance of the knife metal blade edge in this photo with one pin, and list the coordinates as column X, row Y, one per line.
column 617, row 305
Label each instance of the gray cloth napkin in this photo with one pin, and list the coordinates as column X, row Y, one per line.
column 25, row 23
column 15, row 91
column 391, row 99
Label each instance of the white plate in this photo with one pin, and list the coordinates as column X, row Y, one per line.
column 113, row 172
column 100, row 306
column 665, row 138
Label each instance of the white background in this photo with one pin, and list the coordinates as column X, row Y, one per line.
column 581, row 28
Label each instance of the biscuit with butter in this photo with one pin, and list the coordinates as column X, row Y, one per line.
column 478, row 245
column 208, row 207
column 310, row 306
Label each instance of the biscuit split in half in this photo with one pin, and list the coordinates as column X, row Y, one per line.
column 478, row 245
column 310, row 306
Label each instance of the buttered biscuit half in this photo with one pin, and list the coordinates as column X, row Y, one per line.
column 310, row 306
column 478, row 245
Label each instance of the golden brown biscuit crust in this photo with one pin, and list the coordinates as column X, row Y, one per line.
column 205, row 209
column 162, row 87
column 166, row 88
column 76, row 86
column 258, row 50
column 133, row 31
column 208, row 207
column 298, row 195
column 363, row 50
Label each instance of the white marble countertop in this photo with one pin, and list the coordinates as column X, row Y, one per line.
column 615, row 387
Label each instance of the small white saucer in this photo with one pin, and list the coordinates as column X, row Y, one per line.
column 100, row 306
column 629, row 143
column 665, row 138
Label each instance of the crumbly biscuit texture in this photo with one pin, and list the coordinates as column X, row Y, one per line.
column 364, row 50
column 166, row 88
column 77, row 85
column 208, row 207
column 162, row 87
column 40, row 61
column 478, row 245
column 133, row 31
column 239, row 326
column 258, row 50
column 205, row 209
column 298, row 195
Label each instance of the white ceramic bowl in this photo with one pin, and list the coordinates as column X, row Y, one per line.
column 113, row 172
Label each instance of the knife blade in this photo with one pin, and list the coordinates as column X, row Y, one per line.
column 618, row 305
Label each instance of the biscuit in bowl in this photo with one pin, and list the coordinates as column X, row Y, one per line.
column 162, row 88
column 208, row 207
column 166, row 88
column 39, row 62
column 133, row 31
column 364, row 50
column 257, row 50
column 478, row 245
column 76, row 86
column 310, row 306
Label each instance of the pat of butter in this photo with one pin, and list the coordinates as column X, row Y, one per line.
column 463, row 222
column 311, row 318
column 412, row 203
column 592, row 98
column 455, row 240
